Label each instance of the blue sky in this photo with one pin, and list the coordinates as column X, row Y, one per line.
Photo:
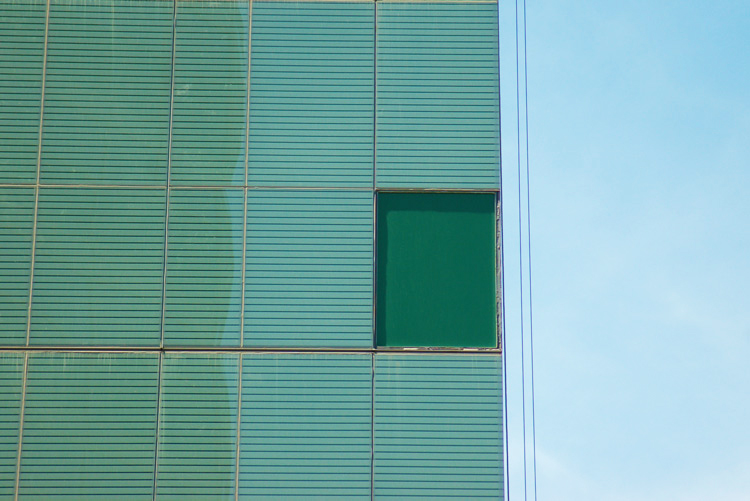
column 639, row 129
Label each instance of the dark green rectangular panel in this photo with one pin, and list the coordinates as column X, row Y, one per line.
column 198, row 427
column 99, row 267
column 16, row 230
column 11, row 387
column 436, row 270
column 204, row 268
column 438, row 122
column 306, row 427
column 311, row 105
column 438, row 427
column 210, row 93
column 308, row 269
column 89, row 426
column 106, row 111
column 21, row 60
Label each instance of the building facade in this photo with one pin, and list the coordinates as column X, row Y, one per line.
column 250, row 250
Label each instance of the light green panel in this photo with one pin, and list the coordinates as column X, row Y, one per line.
column 204, row 268
column 198, row 427
column 210, row 93
column 437, row 98
column 306, row 427
column 311, row 104
column 308, row 278
column 99, row 267
column 89, row 426
column 11, row 387
column 106, row 114
column 16, row 230
column 438, row 427
column 21, row 61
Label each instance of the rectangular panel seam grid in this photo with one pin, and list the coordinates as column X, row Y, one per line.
column 240, row 351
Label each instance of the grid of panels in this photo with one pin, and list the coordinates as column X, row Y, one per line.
column 309, row 425
column 190, row 251
column 288, row 69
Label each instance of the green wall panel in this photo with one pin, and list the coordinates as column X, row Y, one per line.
column 106, row 111
column 11, row 387
column 311, row 105
column 306, row 427
column 21, row 61
column 89, row 426
column 309, row 269
column 16, row 229
column 436, row 270
column 210, row 93
column 136, row 425
column 198, row 427
column 437, row 95
column 99, row 267
column 438, row 427
column 204, row 268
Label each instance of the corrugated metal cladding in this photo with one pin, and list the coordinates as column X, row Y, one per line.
column 89, row 426
column 307, row 426
column 16, row 228
column 204, row 268
column 309, row 269
column 197, row 427
column 438, row 122
column 438, row 427
column 311, row 99
column 210, row 93
column 204, row 197
column 106, row 101
column 11, row 389
column 21, row 55
column 98, row 268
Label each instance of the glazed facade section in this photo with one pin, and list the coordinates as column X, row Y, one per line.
column 221, row 274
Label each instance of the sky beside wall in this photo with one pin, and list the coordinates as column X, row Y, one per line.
column 639, row 130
